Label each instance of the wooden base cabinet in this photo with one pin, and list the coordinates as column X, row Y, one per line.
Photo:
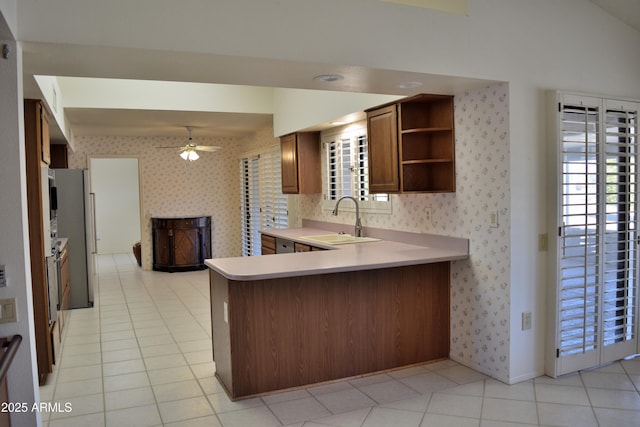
column 268, row 244
column 289, row 332
column 65, row 289
column 181, row 244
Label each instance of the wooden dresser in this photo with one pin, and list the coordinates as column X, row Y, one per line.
column 181, row 244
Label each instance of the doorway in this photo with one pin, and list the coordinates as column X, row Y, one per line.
column 115, row 182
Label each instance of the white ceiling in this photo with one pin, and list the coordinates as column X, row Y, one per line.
column 121, row 122
column 63, row 52
column 628, row 11
column 92, row 61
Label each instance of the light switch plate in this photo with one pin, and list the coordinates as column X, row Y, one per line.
column 9, row 312
column 526, row 321
column 542, row 242
column 493, row 219
column 3, row 276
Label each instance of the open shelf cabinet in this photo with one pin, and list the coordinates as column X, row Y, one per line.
column 421, row 135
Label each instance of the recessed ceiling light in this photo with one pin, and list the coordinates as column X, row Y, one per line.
column 408, row 85
column 328, row 77
column 338, row 123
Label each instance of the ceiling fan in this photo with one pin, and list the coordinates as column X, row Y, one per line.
column 188, row 151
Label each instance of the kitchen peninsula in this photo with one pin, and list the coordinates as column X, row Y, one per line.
column 290, row 320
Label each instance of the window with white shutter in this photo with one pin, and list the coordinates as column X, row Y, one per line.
column 346, row 169
column 596, row 259
column 262, row 204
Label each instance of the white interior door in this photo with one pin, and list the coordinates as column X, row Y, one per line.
column 116, row 189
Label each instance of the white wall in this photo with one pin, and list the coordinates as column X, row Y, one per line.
column 14, row 246
column 8, row 19
column 117, row 197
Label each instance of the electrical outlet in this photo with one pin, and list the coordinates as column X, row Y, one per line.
column 226, row 312
column 526, row 321
column 8, row 312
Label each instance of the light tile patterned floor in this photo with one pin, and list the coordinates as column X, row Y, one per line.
column 142, row 357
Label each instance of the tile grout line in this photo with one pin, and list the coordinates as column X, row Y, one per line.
column 145, row 285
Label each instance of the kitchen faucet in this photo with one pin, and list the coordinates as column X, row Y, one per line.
column 358, row 232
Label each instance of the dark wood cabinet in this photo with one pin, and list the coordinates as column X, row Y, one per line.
column 411, row 146
column 46, row 140
column 181, row 244
column 59, row 156
column 383, row 150
column 268, row 244
column 301, row 247
column 300, row 154
column 271, row 246
column 36, row 135
column 65, row 289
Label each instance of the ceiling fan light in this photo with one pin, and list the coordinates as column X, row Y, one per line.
column 189, row 154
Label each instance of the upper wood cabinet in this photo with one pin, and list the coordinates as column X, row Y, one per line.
column 382, row 135
column 46, row 142
column 411, row 145
column 35, row 133
column 59, row 156
column 300, row 154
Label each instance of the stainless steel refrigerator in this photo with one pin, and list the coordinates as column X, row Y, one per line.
column 76, row 221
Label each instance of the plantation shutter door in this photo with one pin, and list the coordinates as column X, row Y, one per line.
column 250, row 207
column 274, row 211
column 620, row 255
column 596, row 297
column 245, row 219
column 579, row 270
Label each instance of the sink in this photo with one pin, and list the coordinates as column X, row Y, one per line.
column 339, row 239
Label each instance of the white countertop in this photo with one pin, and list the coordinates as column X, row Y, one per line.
column 340, row 258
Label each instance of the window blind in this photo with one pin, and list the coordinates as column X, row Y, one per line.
column 249, row 206
column 262, row 204
column 347, row 167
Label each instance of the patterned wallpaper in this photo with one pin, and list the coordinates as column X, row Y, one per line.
column 172, row 186
column 480, row 286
